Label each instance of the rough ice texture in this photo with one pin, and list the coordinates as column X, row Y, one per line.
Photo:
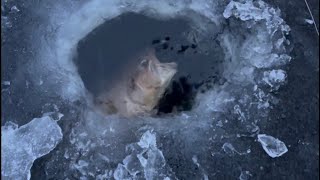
column 20, row 147
column 145, row 162
column 264, row 44
column 256, row 12
column 274, row 78
column 272, row 146
column 309, row 21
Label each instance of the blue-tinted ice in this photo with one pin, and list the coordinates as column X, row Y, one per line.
column 21, row 146
column 273, row 147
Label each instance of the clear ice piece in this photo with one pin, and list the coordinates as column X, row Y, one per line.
column 272, row 146
column 145, row 162
column 20, row 147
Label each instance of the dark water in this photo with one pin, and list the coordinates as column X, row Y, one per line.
column 105, row 53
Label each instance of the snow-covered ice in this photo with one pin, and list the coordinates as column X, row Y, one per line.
column 21, row 146
column 272, row 146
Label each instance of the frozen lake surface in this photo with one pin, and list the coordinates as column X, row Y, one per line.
column 243, row 105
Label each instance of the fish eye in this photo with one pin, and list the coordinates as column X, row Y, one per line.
column 144, row 63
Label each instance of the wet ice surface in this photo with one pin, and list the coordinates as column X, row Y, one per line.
column 273, row 147
column 145, row 162
column 215, row 140
column 20, row 146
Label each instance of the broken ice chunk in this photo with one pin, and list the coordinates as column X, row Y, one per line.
column 121, row 173
column 9, row 126
column 6, row 83
column 228, row 148
column 274, row 78
column 21, row 146
column 219, row 124
column 195, row 161
column 54, row 115
column 14, row 9
column 147, row 140
column 273, row 147
column 81, row 166
column 132, row 165
column 309, row 21
column 245, row 175
column 145, row 162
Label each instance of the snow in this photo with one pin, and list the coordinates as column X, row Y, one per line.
column 81, row 166
column 272, row 146
column 20, row 147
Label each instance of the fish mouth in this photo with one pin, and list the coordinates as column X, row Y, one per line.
column 171, row 65
column 166, row 71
